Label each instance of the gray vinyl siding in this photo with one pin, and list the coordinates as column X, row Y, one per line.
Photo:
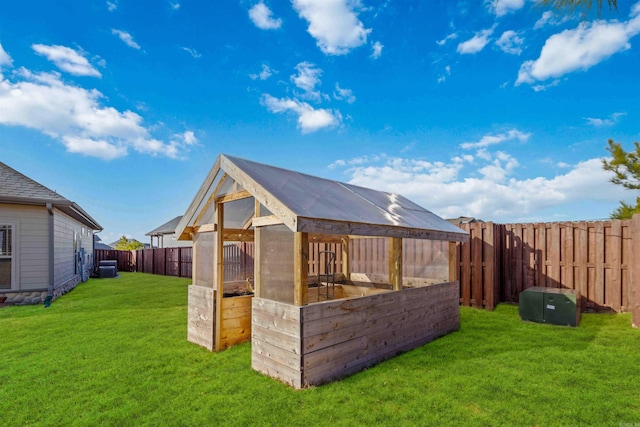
column 31, row 253
column 64, row 260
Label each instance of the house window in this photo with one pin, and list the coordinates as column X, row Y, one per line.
column 6, row 256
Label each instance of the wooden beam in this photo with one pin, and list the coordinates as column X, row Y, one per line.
column 266, row 220
column 239, row 195
column 205, row 228
column 248, row 224
column 202, row 192
column 395, row 263
column 211, row 198
column 259, row 192
column 346, row 264
column 323, row 226
column 237, row 235
column 219, row 251
column 301, row 268
column 325, row 238
column 257, row 270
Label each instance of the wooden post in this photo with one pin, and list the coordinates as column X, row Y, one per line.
column 453, row 264
column 395, row 263
column 301, row 268
column 219, row 278
column 346, row 265
column 257, row 272
column 488, row 244
column 634, row 291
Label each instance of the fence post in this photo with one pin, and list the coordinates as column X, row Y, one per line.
column 634, row 291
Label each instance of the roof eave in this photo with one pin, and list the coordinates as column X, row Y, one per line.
column 323, row 226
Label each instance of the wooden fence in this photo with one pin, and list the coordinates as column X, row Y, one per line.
column 124, row 258
column 165, row 261
column 601, row 259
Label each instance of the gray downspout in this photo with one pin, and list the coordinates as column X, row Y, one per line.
column 47, row 301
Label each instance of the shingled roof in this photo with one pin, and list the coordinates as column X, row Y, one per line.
column 17, row 188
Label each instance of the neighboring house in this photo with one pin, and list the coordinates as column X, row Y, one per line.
column 46, row 241
column 99, row 245
column 165, row 235
column 463, row 220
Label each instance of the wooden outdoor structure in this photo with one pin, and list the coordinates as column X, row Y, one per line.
column 309, row 323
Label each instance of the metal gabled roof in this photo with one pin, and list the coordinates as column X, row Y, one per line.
column 318, row 205
column 17, row 188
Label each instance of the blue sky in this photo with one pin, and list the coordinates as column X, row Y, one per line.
column 495, row 109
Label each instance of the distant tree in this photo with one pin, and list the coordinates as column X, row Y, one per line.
column 125, row 244
column 626, row 169
column 584, row 5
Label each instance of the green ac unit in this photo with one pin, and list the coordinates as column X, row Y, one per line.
column 550, row 305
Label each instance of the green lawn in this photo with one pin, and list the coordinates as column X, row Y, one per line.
column 114, row 352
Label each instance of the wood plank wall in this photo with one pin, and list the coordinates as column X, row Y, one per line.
column 340, row 338
column 236, row 321
column 201, row 316
column 319, row 343
column 276, row 341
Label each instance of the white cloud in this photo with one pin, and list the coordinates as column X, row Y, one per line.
column 264, row 74
column 67, row 60
column 309, row 119
column 5, row 59
column 488, row 140
column 377, row 50
column 610, row 121
column 75, row 117
column 336, row 164
column 580, row 48
column 334, row 24
column 192, row 52
column 510, row 42
column 126, row 38
column 307, row 78
column 112, row 5
column 344, row 94
column 174, row 6
column 549, row 18
column 476, row 43
column 504, row 7
column 451, row 36
column 261, row 16
column 489, row 190
column 443, row 77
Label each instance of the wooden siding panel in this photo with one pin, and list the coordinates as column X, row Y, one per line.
column 64, row 257
column 276, row 341
column 201, row 316
column 344, row 337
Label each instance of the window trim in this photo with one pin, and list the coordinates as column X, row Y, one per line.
column 14, row 254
